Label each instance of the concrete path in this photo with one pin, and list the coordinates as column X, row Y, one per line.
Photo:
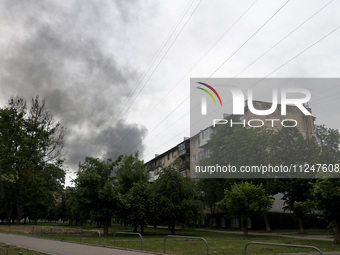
column 54, row 247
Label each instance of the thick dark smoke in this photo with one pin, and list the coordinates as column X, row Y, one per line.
column 68, row 53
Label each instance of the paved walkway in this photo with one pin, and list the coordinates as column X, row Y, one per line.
column 54, row 247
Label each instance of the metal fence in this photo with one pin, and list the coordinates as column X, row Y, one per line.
column 279, row 244
column 55, row 228
column 187, row 237
column 128, row 233
column 84, row 230
column 41, row 227
column 166, row 237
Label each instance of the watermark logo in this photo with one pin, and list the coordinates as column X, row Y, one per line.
column 204, row 99
column 239, row 99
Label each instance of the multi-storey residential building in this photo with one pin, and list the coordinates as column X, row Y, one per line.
column 305, row 124
column 180, row 152
column 195, row 148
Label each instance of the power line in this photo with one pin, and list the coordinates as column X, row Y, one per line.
column 282, row 39
column 159, row 124
column 101, row 139
column 265, row 23
column 200, row 59
column 288, row 61
column 178, row 34
column 218, row 68
column 312, row 45
column 285, row 37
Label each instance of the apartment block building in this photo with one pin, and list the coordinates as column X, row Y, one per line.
column 179, row 154
column 305, row 124
column 193, row 149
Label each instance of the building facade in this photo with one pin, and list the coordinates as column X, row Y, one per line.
column 189, row 152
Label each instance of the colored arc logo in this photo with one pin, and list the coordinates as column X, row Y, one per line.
column 213, row 90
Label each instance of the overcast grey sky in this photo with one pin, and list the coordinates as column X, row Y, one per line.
column 91, row 60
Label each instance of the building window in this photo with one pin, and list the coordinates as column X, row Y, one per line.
column 174, row 154
column 193, row 143
column 168, row 156
column 194, row 158
column 235, row 223
column 207, row 153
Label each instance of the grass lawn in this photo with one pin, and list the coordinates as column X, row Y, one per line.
column 219, row 243
column 11, row 250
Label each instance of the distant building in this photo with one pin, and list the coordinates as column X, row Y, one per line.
column 180, row 152
column 305, row 124
column 193, row 149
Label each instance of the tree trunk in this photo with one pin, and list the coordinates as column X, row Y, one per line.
column 336, row 231
column 173, row 227
column 245, row 227
column 2, row 192
column 20, row 209
column 9, row 214
column 142, row 228
column 301, row 226
column 107, row 219
column 212, row 215
column 266, row 221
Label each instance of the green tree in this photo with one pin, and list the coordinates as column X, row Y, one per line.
column 31, row 142
column 329, row 140
column 137, row 203
column 288, row 147
column 130, row 170
column 238, row 146
column 326, row 195
column 244, row 201
column 44, row 192
column 178, row 198
column 326, row 192
column 73, row 211
column 96, row 190
column 297, row 196
column 212, row 192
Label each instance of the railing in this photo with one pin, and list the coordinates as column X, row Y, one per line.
column 59, row 229
column 187, row 237
column 83, row 230
column 41, row 227
column 279, row 244
column 128, row 233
